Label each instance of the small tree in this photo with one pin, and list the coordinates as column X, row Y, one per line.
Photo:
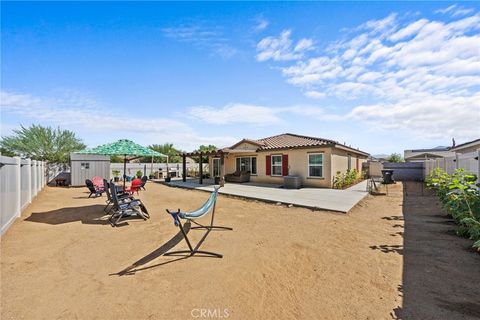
column 395, row 157
column 42, row 143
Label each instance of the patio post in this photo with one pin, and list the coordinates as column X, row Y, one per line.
column 222, row 170
column 184, row 167
column 200, row 169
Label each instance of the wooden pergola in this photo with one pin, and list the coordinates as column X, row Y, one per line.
column 218, row 153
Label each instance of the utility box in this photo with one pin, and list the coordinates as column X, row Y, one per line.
column 292, row 182
column 87, row 166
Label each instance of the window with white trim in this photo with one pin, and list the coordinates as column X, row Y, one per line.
column 315, row 165
column 247, row 164
column 84, row 165
column 277, row 165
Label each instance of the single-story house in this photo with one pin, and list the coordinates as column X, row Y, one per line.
column 314, row 160
column 467, row 147
column 420, row 155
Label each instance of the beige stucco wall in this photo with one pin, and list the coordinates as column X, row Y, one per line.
column 340, row 161
column 298, row 165
column 333, row 160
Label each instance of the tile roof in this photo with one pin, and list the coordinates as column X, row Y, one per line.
column 466, row 144
column 289, row 140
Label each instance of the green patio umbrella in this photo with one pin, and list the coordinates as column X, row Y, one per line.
column 126, row 148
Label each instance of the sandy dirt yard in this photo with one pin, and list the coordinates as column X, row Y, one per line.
column 62, row 260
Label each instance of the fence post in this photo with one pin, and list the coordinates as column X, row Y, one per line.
column 29, row 180
column 478, row 162
column 34, row 178
column 18, row 186
column 39, row 176
column 44, row 173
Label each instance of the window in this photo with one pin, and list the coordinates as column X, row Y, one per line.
column 247, row 164
column 349, row 165
column 84, row 165
column 216, row 167
column 277, row 165
column 315, row 165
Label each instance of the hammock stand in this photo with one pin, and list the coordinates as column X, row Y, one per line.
column 191, row 216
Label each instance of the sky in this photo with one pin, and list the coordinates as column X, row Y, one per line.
column 379, row 76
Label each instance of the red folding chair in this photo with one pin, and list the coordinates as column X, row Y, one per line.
column 136, row 185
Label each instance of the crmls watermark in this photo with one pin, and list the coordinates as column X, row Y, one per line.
column 207, row 313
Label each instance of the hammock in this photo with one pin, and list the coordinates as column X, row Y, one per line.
column 208, row 206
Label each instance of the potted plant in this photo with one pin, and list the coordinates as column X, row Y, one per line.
column 151, row 175
column 116, row 175
column 139, row 174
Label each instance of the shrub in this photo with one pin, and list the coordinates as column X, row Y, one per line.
column 460, row 197
column 343, row 180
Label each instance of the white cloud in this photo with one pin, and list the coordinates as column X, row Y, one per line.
column 434, row 117
column 315, row 94
column 236, row 113
column 282, row 48
column 202, row 37
column 379, row 25
column 455, row 10
column 85, row 115
column 408, row 30
column 414, row 73
column 261, row 24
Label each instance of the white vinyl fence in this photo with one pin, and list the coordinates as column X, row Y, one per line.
column 20, row 181
column 468, row 161
column 148, row 168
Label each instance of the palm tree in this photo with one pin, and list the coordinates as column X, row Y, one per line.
column 206, row 149
column 166, row 149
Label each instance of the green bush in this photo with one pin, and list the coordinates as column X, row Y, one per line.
column 460, row 197
column 344, row 180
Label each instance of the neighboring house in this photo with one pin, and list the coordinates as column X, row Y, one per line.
column 315, row 160
column 419, row 155
column 379, row 157
column 467, row 147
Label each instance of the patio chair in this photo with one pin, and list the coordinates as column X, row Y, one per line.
column 135, row 186
column 98, row 181
column 122, row 196
column 238, row 176
column 97, row 191
column 208, row 206
column 124, row 209
column 144, row 182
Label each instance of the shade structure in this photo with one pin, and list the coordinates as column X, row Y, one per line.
column 126, row 148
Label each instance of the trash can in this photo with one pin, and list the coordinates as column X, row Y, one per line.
column 217, row 180
column 387, row 176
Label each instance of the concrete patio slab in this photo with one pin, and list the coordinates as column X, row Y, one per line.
column 313, row 198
